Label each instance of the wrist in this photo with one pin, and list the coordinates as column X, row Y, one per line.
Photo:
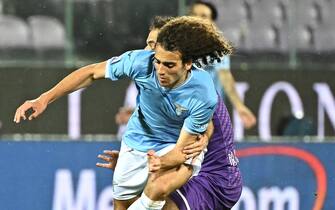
column 239, row 107
column 44, row 98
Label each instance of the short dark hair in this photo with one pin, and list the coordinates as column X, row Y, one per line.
column 196, row 39
column 159, row 21
column 214, row 11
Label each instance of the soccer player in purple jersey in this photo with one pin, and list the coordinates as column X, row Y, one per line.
column 219, row 184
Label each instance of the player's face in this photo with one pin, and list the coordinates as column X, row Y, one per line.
column 151, row 39
column 170, row 70
column 201, row 11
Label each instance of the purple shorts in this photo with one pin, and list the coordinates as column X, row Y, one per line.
column 210, row 191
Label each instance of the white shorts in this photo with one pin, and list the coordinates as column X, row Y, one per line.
column 131, row 171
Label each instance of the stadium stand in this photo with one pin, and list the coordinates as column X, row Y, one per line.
column 268, row 19
column 233, row 18
column 263, row 25
column 275, row 27
column 261, row 38
column 47, row 32
column 14, row 33
column 325, row 30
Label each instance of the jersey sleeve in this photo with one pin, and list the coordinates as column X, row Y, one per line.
column 224, row 65
column 199, row 117
column 130, row 64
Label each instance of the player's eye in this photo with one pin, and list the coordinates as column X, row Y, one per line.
column 169, row 65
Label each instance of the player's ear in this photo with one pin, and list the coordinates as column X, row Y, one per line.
column 188, row 65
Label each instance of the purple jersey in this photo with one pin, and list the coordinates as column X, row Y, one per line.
column 219, row 184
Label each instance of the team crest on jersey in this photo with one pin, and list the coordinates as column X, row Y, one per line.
column 179, row 109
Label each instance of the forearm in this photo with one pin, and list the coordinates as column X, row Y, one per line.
column 176, row 156
column 173, row 159
column 78, row 79
column 228, row 83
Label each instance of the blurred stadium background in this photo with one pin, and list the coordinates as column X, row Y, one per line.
column 285, row 68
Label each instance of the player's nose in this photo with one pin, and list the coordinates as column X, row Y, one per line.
column 160, row 69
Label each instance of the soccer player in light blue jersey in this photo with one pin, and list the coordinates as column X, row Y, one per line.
column 176, row 102
column 212, row 188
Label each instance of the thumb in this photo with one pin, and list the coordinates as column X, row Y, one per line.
column 151, row 153
column 33, row 115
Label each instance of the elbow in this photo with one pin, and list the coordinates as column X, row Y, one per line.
column 94, row 74
column 96, row 71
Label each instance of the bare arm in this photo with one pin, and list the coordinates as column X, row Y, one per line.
column 228, row 82
column 196, row 148
column 191, row 150
column 177, row 155
column 80, row 78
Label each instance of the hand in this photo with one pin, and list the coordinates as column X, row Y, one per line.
column 37, row 105
column 247, row 117
column 194, row 149
column 123, row 115
column 110, row 157
column 154, row 162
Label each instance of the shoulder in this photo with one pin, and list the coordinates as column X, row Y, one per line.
column 201, row 77
column 203, row 85
column 131, row 57
column 140, row 61
column 142, row 57
column 136, row 56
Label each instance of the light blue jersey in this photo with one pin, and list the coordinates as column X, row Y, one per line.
column 214, row 70
column 161, row 112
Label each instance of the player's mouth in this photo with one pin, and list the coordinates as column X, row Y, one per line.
column 163, row 80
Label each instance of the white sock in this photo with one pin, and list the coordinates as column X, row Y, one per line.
column 145, row 203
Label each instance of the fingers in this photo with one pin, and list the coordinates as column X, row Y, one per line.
column 249, row 121
column 104, row 165
column 106, row 158
column 192, row 155
column 154, row 166
column 190, row 152
column 33, row 115
column 112, row 153
column 247, row 117
column 196, row 148
column 154, row 162
column 110, row 157
column 198, row 145
column 17, row 117
column 248, row 124
column 21, row 112
column 192, row 146
column 154, row 169
column 151, row 153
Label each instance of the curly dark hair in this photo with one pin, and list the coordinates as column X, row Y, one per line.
column 159, row 21
column 196, row 39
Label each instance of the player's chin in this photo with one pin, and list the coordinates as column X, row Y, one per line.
column 164, row 83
